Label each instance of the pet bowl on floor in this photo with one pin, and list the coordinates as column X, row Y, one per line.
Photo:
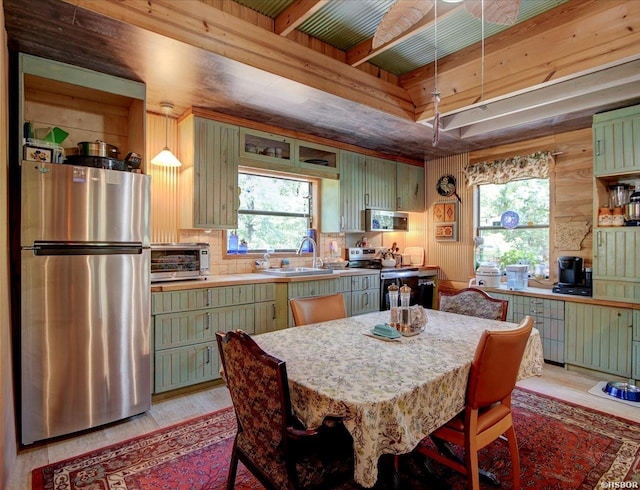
column 622, row 390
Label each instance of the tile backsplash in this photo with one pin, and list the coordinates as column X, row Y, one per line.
column 238, row 264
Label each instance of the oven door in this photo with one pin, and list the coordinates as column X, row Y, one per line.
column 399, row 278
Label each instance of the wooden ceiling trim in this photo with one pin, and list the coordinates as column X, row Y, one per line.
column 295, row 14
column 572, row 38
column 203, row 26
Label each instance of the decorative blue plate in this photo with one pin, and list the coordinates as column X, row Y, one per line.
column 509, row 219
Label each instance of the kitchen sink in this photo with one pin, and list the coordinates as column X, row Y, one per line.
column 297, row 271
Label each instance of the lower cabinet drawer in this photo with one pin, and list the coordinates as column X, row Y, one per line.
column 184, row 366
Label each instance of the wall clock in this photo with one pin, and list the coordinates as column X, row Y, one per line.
column 446, row 186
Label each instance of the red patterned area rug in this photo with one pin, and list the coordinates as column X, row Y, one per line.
column 562, row 446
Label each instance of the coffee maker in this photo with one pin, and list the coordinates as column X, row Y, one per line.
column 571, row 278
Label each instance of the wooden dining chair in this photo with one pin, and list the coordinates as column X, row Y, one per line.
column 487, row 413
column 473, row 302
column 317, row 309
column 270, row 441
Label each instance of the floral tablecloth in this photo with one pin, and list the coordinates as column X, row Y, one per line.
column 391, row 394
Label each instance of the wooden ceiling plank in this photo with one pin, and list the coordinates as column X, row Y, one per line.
column 295, row 14
column 200, row 25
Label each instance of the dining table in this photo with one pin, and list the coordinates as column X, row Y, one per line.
column 390, row 394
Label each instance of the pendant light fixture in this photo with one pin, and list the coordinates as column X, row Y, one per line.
column 165, row 158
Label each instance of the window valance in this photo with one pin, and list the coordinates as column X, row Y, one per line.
column 534, row 166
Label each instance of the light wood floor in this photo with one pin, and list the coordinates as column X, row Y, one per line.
column 555, row 381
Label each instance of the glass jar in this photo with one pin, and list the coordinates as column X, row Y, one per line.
column 393, row 305
column 405, row 299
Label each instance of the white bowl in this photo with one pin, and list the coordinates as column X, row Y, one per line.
column 388, row 263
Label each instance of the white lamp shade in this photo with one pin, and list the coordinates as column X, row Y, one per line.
column 166, row 159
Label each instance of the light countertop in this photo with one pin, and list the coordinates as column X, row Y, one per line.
column 258, row 278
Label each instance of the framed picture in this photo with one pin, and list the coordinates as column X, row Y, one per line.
column 445, row 219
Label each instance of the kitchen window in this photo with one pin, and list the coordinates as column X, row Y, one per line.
column 513, row 224
column 275, row 212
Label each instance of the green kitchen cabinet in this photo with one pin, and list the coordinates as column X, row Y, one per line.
column 309, row 289
column 208, row 184
column 344, row 287
column 184, row 324
column 549, row 318
column 265, row 313
column 616, row 264
column 352, row 192
column 599, row 338
column 316, row 159
column 380, row 187
column 615, row 142
column 410, row 188
column 365, row 294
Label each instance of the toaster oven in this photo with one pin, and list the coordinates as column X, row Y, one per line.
column 179, row 261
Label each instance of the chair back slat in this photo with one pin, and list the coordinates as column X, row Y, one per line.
column 317, row 309
column 494, row 370
column 473, row 302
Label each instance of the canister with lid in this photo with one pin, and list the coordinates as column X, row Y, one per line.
column 605, row 216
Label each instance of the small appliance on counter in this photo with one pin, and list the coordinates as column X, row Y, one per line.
column 517, row 277
column 487, row 275
column 571, row 277
column 632, row 208
column 179, row 261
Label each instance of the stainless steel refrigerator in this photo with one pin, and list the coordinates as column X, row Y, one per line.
column 85, row 298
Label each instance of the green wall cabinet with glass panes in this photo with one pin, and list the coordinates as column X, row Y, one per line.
column 209, row 174
column 365, row 294
column 615, row 141
column 410, row 188
column 599, row 338
column 316, row 159
column 266, row 150
column 184, row 324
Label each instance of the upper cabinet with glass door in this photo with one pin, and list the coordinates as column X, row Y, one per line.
column 317, row 159
column 266, row 150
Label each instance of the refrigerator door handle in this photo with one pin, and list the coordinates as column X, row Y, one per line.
column 76, row 248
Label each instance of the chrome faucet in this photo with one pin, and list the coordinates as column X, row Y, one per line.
column 313, row 249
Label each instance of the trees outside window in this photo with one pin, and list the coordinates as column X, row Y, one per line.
column 513, row 222
column 274, row 212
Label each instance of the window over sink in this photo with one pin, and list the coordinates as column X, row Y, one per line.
column 274, row 213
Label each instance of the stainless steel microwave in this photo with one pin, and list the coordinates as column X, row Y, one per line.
column 179, row 261
column 380, row 220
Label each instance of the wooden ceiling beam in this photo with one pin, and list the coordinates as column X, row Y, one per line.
column 206, row 27
column 295, row 14
column 365, row 50
column 577, row 36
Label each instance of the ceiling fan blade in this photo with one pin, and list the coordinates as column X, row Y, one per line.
column 504, row 12
column 400, row 17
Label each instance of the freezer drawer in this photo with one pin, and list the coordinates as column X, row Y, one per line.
column 85, row 346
